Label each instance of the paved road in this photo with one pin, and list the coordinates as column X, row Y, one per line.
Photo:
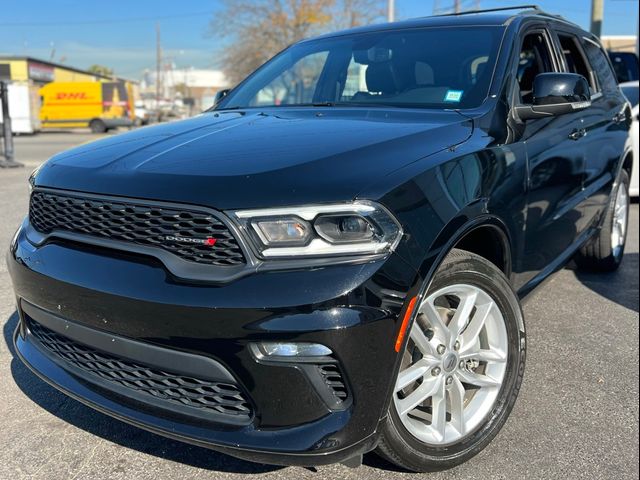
column 577, row 415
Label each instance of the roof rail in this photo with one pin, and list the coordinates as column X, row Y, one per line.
column 500, row 9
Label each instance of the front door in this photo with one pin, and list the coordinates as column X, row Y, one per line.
column 556, row 166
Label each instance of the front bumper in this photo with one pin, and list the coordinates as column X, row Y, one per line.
column 352, row 309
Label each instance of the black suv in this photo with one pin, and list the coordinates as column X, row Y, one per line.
column 331, row 259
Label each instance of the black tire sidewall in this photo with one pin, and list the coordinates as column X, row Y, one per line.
column 466, row 268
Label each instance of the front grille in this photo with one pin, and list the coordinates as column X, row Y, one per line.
column 137, row 223
column 333, row 379
column 204, row 395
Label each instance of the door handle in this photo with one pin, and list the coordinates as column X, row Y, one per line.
column 578, row 134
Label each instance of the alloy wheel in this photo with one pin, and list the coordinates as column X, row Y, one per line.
column 454, row 365
column 619, row 227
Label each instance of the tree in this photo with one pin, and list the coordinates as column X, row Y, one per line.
column 101, row 70
column 252, row 31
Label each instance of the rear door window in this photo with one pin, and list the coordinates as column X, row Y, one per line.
column 601, row 66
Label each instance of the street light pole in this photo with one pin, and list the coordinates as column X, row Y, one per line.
column 391, row 10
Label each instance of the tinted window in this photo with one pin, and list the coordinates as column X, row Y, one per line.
column 535, row 58
column 626, row 66
column 430, row 67
column 575, row 60
column 601, row 67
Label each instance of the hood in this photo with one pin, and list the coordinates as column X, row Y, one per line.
column 252, row 159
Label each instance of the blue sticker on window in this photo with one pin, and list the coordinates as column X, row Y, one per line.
column 453, row 95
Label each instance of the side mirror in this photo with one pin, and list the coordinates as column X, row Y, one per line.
column 556, row 94
column 220, row 94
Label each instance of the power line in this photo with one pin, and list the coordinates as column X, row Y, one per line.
column 102, row 22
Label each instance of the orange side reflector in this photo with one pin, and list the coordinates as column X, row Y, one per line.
column 405, row 323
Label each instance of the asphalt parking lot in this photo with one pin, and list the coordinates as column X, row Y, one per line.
column 577, row 415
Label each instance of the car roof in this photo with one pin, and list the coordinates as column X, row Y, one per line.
column 491, row 17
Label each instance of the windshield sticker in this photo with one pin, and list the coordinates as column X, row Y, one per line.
column 453, row 95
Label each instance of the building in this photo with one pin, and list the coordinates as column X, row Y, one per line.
column 192, row 87
column 27, row 69
column 620, row 43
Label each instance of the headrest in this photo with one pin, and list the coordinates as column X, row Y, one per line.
column 380, row 78
column 423, row 74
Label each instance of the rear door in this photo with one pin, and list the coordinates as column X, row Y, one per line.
column 555, row 163
column 604, row 122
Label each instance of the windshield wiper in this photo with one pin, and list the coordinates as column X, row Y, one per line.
column 214, row 109
column 312, row 104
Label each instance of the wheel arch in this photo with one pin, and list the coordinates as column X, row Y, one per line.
column 472, row 223
column 484, row 234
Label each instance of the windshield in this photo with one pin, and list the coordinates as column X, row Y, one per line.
column 429, row 67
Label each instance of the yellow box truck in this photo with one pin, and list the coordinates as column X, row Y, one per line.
column 97, row 105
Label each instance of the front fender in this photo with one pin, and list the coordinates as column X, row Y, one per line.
column 440, row 199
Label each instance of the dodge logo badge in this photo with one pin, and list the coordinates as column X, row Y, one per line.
column 210, row 242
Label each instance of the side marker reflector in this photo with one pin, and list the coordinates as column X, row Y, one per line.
column 405, row 323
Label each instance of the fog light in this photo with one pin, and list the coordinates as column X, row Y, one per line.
column 290, row 349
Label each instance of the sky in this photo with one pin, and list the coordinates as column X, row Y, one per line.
column 121, row 33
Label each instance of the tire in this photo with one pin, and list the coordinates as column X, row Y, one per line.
column 402, row 442
column 603, row 253
column 97, row 126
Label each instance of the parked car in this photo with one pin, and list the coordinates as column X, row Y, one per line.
column 626, row 66
column 630, row 90
column 141, row 113
column 332, row 260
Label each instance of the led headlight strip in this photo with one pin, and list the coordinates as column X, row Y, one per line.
column 357, row 228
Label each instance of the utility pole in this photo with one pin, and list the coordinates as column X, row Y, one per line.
column 158, row 65
column 391, row 10
column 597, row 13
column 456, row 6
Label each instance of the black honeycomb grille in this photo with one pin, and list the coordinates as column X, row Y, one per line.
column 221, row 398
column 138, row 223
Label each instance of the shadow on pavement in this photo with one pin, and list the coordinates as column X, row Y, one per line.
column 620, row 287
column 115, row 431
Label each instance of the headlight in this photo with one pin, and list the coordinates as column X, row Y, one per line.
column 357, row 228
